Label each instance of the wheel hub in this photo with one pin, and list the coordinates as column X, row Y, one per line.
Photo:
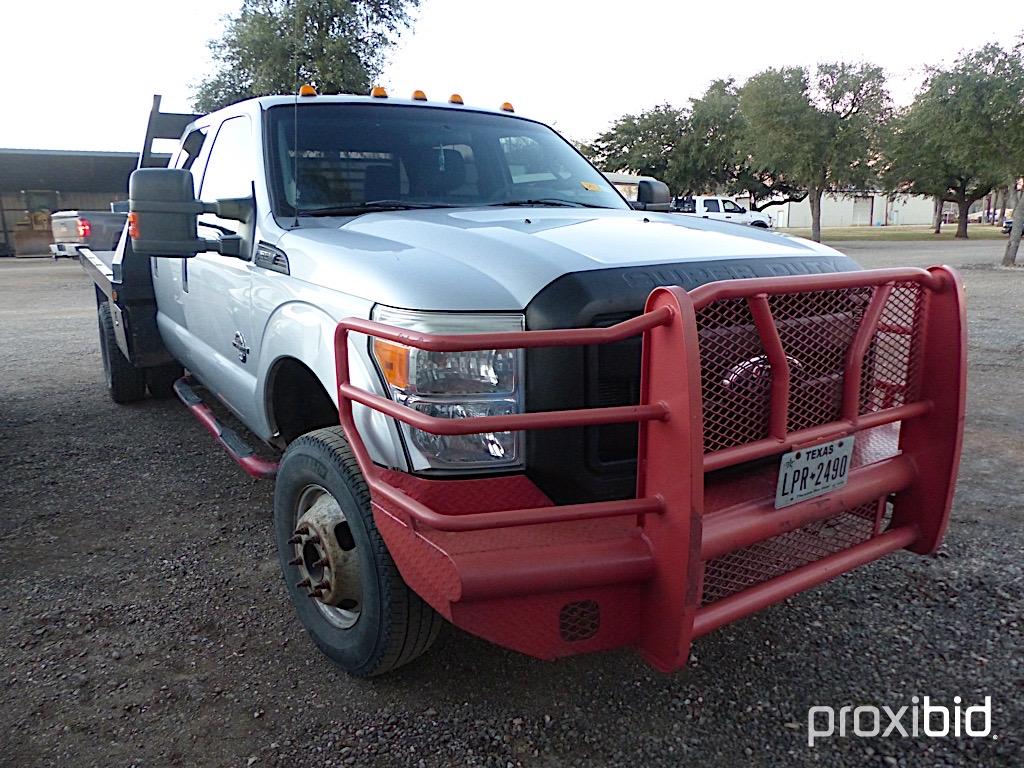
column 325, row 557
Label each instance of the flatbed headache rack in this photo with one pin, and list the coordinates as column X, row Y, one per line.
column 733, row 374
column 122, row 277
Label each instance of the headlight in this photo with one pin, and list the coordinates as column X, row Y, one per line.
column 454, row 385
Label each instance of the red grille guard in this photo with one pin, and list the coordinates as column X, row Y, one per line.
column 733, row 372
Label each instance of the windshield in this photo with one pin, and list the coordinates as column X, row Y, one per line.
column 373, row 156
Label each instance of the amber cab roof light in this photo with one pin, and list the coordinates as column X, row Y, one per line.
column 419, row 95
column 455, row 99
column 507, row 107
column 379, row 92
column 307, row 90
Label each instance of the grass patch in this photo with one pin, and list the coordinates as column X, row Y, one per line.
column 839, row 234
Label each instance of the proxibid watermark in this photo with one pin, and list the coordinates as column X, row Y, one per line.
column 919, row 718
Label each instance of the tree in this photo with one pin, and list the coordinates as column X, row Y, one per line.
column 272, row 46
column 695, row 150
column 646, row 144
column 714, row 155
column 819, row 132
column 947, row 142
column 1009, row 108
column 707, row 152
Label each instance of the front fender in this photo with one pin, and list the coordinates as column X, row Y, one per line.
column 306, row 333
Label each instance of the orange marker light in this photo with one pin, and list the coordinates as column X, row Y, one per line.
column 394, row 362
column 507, row 107
column 379, row 92
column 133, row 225
column 418, row 95
column 307, row 90
column 455, row 99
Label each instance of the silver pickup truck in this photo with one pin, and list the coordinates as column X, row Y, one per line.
column 491, row 391
column 99, row 230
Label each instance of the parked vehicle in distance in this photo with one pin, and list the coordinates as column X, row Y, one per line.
column 720, row 209
column 1007, row 226
column 490, row 392
column 99, row 230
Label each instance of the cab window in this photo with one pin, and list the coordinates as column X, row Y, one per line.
column 730, row 207
column 228, row 171
column 711, row 206
column 188, row 155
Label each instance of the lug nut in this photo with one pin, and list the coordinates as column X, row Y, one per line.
column 304, row 528
column 322, row 563
column 303, row 584
column 296, row 561
column 295, row 540
column 324, row 585
column 314, row 539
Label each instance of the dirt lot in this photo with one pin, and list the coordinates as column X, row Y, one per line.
column 144, row 622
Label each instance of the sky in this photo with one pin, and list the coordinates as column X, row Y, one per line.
column 80, row 74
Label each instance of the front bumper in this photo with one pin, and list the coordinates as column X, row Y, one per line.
column 877, row 354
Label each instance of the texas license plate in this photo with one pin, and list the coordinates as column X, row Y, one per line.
column 813, row 471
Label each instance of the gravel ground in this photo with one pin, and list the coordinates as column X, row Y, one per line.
column 144, row 620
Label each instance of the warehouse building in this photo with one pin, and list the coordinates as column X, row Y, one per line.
column 858, row 209
column 37, row 182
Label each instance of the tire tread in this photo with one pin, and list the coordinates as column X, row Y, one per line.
column 414, row 624
column 127, row 383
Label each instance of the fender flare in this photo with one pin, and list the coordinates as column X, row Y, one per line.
column 305, row 333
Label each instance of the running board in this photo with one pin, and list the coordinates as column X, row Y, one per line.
column 229, row 440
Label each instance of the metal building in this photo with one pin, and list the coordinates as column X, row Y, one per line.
column 37, row 182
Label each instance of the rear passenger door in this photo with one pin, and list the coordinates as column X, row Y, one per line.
column 169, row 274
column 217, row 289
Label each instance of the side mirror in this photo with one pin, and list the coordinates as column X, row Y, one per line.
column 742, row 209
column 162, row 213
column 652, row 195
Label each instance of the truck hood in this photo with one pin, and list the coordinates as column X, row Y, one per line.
column 500, row 258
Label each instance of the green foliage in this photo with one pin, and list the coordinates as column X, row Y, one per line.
column 947, row 142
column 819, row 131
column 272, row 46
column 707, row 157
column 645, row 144
column 773, row 139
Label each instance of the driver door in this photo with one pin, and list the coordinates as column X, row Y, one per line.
column 217, row 288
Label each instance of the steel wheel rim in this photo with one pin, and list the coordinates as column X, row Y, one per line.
column 323, row 517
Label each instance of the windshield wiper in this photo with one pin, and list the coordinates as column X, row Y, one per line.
column 554, row 202
column 371, row 207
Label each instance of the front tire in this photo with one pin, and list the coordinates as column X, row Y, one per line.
column 357, row 608
column 125, row 382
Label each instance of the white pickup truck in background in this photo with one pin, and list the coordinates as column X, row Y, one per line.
column 722, row 209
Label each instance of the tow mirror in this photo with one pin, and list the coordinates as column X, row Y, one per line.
column 163, row 211
column 652, row 195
